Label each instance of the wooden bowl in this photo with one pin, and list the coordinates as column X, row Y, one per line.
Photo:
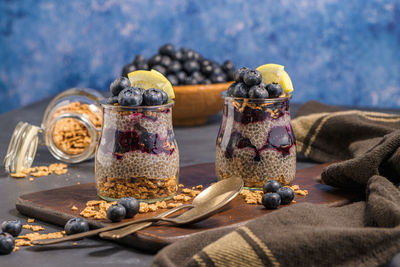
column 194, row 104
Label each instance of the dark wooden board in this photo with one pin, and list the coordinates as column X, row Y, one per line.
column 54, row 206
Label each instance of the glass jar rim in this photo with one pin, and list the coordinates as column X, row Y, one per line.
column 170, row 104
column 256, row 100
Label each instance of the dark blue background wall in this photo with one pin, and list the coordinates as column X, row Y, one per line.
column 338, row 52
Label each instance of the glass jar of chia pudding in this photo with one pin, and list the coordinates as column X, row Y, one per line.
column 137, row 155
column 256, row 141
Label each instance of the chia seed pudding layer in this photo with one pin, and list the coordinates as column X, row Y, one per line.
column 137, row 155
column 256, row 144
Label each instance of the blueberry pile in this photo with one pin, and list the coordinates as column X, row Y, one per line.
column 125, row 95
column 248, row 84
column 10, row 229
column 183, row 66
column 275, row 195
column 127, row 207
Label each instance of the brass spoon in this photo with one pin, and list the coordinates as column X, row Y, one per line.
column 209, row 201
column 205, row 204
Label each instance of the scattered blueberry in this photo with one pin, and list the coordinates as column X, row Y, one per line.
column 128, row 69
column 271, row 200
column 131, row 206
column 160, row 69
column 271, row 186
column 174, row 67
column 7, row 243
column 139, row 59
column 153, row 97
column 13, row 227
column 287, row 195
column 191, row 66
column 167, row 49
column 252, row 77
column 239, row 74
column 274, row 90
column 173, row 79
column 112, row 100
column 76, row 225
column 130, row 97
column 240, row 90
column 116, row 213
column 165, row 61
column 118, row 85
column 257, row 91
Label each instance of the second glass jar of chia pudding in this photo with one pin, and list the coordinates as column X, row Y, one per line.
column 256, row 141
column 137, row 155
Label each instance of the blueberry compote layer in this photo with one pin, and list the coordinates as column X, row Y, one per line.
column 256, row 142
column 137, row 155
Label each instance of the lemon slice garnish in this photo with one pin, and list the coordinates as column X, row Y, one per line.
column 151, row 79
column 286, row 83
column 274, row 73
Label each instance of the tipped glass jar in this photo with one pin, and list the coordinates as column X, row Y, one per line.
column 70, row 128
column 256, row 141
column 137, row 155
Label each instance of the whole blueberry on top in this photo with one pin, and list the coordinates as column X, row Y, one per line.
column 231, row 89
column 207, row 69
column 274, row 90
column 153, row 97
column 139, row 59
column 252, row 77
column 240, row 90
column 118, row 85
column 7, row 243
column 167, row 49
column 240, row 73
column 191, row 66
column 142, row 66
column 178, row 55
column 13, row 227
column 228, row 65
column 130, row 97
column 166, row 61
column 287, row 194
column 205, row 62
column 271, row 200
column 271, row 186
column 189, row 55
column 116, row 213
column 131, row 205
column 128, row 69
column 164, row 97
column 112, row 100
column 76, row 225
column 257, row 91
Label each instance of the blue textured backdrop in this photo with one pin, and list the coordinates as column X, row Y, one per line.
column 338, row 52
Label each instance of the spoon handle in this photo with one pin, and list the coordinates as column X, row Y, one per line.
column 107, row 228
column 130, row 229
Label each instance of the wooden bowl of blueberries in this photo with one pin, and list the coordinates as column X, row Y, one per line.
column 198, row 82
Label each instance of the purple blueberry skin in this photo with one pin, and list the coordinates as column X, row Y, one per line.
column 7, row 243
column 274, row 90
column 13, row 227
column 271, row 200
column 131, row 205
column 76, row 225
column 271, row 186
column 240, row 90
column 257, row 91
column 112, row 100
column 116, row 213
column 287, row 195
column 153, row 97
column 252, row 77
column 130, row 97
column 118, row 85
column 239, row 74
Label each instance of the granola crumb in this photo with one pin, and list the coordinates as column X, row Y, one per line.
column 31, row 220
column 39, row 171
column 74, row 243
column 18, row 175
column 34, row 228
column 31, row 179
column 174, row 205
column 180, row 185
column 74, row 208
